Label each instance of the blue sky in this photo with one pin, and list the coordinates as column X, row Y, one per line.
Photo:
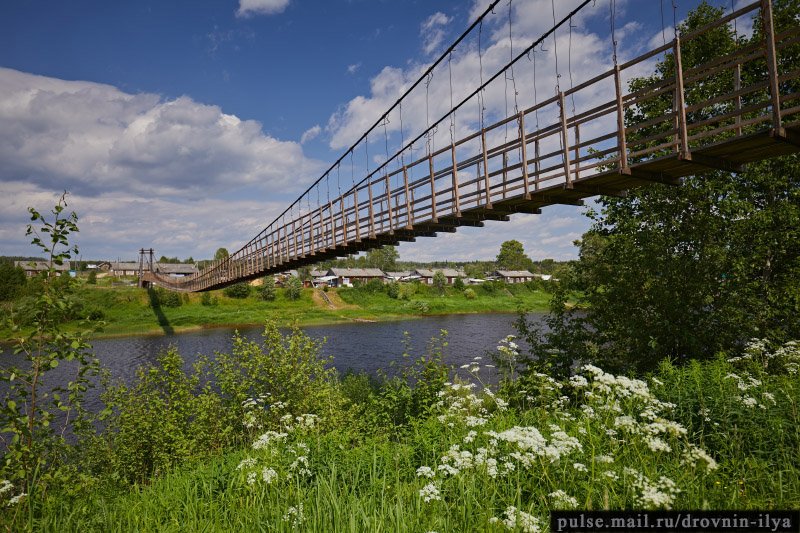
column 188, row 125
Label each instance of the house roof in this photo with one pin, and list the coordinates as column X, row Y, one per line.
column 316, row 273
column 41, row 266
column 124, row 265
column 398, row 274
column 448, row 272
column 514, row 274
column 356, row 272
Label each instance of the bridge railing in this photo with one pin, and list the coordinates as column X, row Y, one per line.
column 593, row 128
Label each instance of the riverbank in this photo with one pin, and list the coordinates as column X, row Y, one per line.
column 128, row 311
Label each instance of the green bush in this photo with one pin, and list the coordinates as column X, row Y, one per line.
column 160, row 297
column 91, row 279
column 458, row 284
column 469, row 294
column 393, row 290
column 294, row 288
column 267, row 291
column 208, row 300
column 237, row 290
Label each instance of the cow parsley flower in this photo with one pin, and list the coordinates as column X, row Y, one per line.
column 430, row 492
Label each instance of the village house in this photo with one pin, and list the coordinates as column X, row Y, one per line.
column 512, row 276
column 346, row 277
column 32, row 268
column 176, row 270
column 426, row 275
column 397, row 276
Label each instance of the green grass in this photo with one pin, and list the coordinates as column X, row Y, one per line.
column 127, row 310
column 360, row 480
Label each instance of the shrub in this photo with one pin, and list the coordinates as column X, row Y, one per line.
column 160, row 297
column 294, row 288
column 439, row 281
column 91, row 279
column 237, row 290
column 208, row 300
column 458, row 284
column 469, row 294
column 12, row 280
column 393, row 290
column 267, row 291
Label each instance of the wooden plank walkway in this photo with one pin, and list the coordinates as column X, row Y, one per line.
column 557, row 155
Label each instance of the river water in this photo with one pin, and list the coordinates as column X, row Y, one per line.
column 361, row 346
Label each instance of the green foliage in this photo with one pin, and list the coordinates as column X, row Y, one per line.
column 439, row 281
column 512, row 256
column 161, row 297
column 690, row 271
column 38, row 410
column 208, row 300
column 393, row 290
column 237, row 290
column 469, row 294
column 91, row 279
column 458, row 284
column 12, row 280
column 294, row 288
column 268, row 291
column 220, row 254
column 384, row 258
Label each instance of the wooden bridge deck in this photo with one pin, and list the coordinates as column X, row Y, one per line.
column 569, row 155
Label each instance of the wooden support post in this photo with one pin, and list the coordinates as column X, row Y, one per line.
column 456, row 199
column 622, row 144
column 505, row 174
column 565, row 140
column 356, row 207
column 737, row 86
column 680, row 104
column 294, row 239
column 409, row 213
column 577, row 152
column 537, row 164
column 344, row 219
column 389, row 204
column 286, row 240
column 323, row 232
column 333, row 223
column 523, row 142
column 772, row 65
column 434, row 218
column 371, row 212
column 486, row 186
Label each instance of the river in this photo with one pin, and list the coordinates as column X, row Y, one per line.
column 361, row 346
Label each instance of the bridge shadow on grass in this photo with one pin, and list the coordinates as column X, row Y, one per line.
column 155, row 305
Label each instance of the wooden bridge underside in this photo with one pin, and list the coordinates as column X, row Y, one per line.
column 571, row 153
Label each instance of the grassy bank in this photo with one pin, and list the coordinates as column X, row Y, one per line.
column 131, row 311
column 712, row 435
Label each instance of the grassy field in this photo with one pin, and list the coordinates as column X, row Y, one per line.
column 128, row 310
column 712, row 435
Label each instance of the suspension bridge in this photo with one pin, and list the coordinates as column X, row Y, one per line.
column 734, row 108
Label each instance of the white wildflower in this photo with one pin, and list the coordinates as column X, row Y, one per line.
column 425, row 471
column 5, row 486
column 604, row 459
column 657, row 445
column 16, row 499
column 561, row 499
column 749, row 401
column 693, row 454
column 268, row 474
column 430, row 492
column 294, row 515
column 580, row 467
column 246, row 463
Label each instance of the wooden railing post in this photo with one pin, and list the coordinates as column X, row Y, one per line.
column 456, row 199
column 434, row 218
column 389, row 204
column 333, row 223
column 680, row 104
column 505, row 174
column 565, row 140
column 371, row 212
column 344, row 218
column 772, row 65
column 486, row 186
column 523, row 142
column 737, row 86
column 622, row 143
column 356, row 208
column 409, row 213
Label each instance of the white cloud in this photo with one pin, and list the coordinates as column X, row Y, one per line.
column 249, row 8
column 310, row 133
column 432, row 32
column 138, row 161
column 352, row 69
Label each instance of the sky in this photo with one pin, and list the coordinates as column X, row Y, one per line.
column 186, row 126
